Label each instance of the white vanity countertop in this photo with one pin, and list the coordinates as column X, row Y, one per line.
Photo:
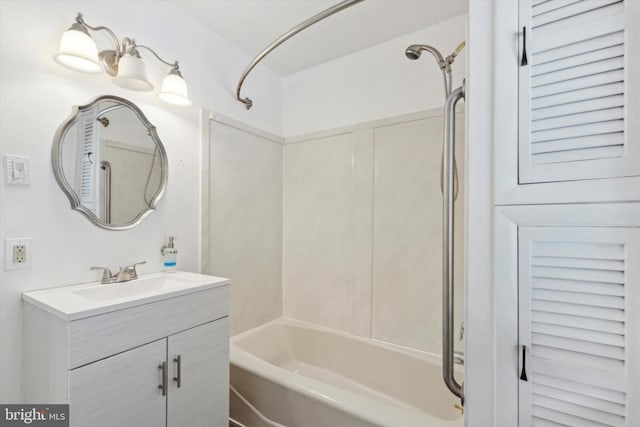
column 89, row 299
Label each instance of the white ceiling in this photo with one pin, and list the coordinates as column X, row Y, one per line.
column 254, row 24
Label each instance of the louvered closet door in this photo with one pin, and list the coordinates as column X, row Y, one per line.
column 578, row 318
column 86, row 180
column 578, row 95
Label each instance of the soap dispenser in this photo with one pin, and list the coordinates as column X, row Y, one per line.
column 169, row 254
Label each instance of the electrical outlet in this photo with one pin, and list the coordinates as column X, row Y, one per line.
column 18, row 254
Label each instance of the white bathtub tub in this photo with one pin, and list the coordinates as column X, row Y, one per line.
column 299, row 375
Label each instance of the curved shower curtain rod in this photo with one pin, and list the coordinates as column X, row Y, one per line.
column 286, row 36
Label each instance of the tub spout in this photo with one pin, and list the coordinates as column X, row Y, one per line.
column 458, row 358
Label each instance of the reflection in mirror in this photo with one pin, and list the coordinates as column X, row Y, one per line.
column 110, row 162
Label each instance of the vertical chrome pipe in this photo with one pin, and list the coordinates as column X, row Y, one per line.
column 447, row 240
column 106, row 167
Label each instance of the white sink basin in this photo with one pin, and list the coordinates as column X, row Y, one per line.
column 90, row 299
column 144, row 286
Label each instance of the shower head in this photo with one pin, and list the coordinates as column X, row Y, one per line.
column 414, row 51
column 105, row 121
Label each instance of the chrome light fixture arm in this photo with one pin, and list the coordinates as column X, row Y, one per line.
column 127, row 44
column 173, row 65
column 119, row 51
column 108, row 58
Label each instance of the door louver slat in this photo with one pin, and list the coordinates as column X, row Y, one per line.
column 598, row 70
column 548, row 6
column 557, row 419
column 578, row 310
column 579, row 298
column 579, row 415
column 594, row 128
column 602, row 325
column 592, row 392
column 586, row 275
column 588, row 57
column 597, row 288
column 586, row 263
column 578, row 107
column 577, row 119
column 537, row 2
column 575, row 13
column 580, row 83
column 559, row 45
column 576, row 346
column 583, row 94
column 579, row 334
column 588, row 250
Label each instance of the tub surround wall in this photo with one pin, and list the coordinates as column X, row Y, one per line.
column 407, row 234
column 37, row 95
column 362, row 204
column 327, row 231
column 245, row 222
column 362, row 230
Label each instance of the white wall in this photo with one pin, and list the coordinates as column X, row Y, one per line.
column 37, row 95
column 373, row 83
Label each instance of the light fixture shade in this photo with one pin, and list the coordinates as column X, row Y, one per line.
column 174, row 89
column 132, row 74
column 78, row 51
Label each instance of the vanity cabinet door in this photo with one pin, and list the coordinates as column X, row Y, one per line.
column 198, row 391
column 121, row 390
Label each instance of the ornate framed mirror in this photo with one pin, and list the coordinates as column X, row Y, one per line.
column 109, row 161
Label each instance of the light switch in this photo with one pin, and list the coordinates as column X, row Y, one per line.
column 17, row 170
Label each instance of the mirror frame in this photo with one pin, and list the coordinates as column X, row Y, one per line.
column 74, row 199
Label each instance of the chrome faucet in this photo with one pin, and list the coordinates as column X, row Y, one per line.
column 123, row 275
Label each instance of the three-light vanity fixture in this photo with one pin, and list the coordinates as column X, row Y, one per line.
column 79, row 52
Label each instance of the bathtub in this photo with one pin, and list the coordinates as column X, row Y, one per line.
column 288, row 373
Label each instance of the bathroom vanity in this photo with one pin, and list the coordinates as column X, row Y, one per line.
column 150, row 352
